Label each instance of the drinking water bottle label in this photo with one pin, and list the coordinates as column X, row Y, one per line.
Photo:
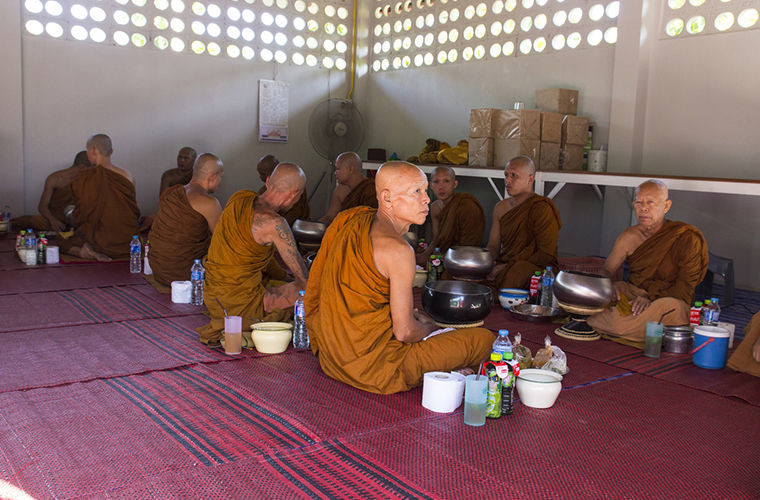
column 196, row 275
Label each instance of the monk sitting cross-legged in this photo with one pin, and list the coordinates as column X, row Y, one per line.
column 106, row 213
column 240, row 267
column 56, row 197
column 458, row 218
column 353, row 188
column 667, row 260
column 182, row 174
column 524, row 230
column 300, row 210
column 359, row 307
column 187, row 215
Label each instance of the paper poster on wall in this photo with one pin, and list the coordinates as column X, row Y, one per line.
column 273, row 111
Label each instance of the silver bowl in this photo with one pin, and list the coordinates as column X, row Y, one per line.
column 534, row 313
column 583, row 290
column 456, row 302
column 469, row 263
column 68, row 215
column 309, row 232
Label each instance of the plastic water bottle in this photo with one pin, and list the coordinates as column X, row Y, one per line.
column 300, row 334
column 6, row 213
column 146, row 265
column 704, row 318
column 20, row 240
column 547, row 284
column 713, row 314
column 135, row 257
column 502, row 343
column 197, row 275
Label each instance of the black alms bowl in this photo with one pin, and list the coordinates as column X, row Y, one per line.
column 468, row 263
column 456, row 302
column 309, row 231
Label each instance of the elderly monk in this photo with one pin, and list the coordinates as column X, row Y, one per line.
column 667, row 259
column 240, row 267
column 353, row 189
column 56, row 196
column 182, row 174
column 359, row 306
column 524, row 230
column 187, row 216
column 457, row 218
column 746, row 358
column 106, row 213
column 300, row 210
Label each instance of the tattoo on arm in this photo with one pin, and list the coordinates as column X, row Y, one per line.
column 283, row 231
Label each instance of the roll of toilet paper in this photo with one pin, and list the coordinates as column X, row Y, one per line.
column 442, row 392
column 52, row 255
column 181, row 292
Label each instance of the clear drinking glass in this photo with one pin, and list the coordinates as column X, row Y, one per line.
column 475, row 395
column 653, row 342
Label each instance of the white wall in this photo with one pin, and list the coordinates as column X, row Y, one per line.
column 11, row 130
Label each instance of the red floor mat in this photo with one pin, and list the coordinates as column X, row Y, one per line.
column 46, row 279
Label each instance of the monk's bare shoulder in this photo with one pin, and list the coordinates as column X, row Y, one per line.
column 341, row 191
column 61, row 178
column 124, row 173
column 502, row 208
column 390, row 252
column 435, row 208
column 629, row 240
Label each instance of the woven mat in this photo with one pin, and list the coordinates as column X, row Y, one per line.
column 53, row 278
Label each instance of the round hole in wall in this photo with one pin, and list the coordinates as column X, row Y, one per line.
column 233, row 51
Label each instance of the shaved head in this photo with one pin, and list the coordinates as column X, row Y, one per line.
column 445, row 169
column 287, row 177
column 349, row 159
column 102, row 143
column 81, row 159
column 189, row 150
column 266, row 166
column 205, row 165
column 391, row 173
column 402, row 194
column 652, row 184
column 525, row 162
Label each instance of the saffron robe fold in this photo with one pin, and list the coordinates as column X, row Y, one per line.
column 461, row 222
column 178, row 236
column 741, row 360
column 529, row 234
column 362, row 195
column 106, row 212
column 238, row 270
column 59, row 200
column 300, row 210
column 348, row 316
column 667, row 266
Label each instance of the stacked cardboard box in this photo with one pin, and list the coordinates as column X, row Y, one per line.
column 563, row 134
column 481, row 137
column 564, row 101
column 498, row 135
column 574, row 139
column 551, row 140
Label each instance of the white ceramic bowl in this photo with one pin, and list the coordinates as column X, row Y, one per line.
column 509, row 297
column 271, row 337
column 538, row 388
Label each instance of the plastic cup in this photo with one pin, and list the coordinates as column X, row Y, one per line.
column 475, row 395
column 653, row 341
column 233, row 336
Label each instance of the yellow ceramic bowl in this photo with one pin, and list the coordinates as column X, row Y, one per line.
column 271, row 337
column 420, row 278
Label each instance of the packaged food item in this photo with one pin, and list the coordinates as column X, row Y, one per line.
column 558, row 361
column 522, row 353
column 544, row 354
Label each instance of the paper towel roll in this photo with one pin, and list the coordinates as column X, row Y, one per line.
column 52, row 255
column 442, row 392
column 181, row 292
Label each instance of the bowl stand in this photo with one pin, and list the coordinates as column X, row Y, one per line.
column 578, row 328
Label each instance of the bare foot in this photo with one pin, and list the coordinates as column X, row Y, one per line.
column 87, row 252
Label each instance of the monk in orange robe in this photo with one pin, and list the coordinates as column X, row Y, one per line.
column 240, row 266
column 353, row 189
column 458, row 218
column 524, row 230
column 359, row 308
column 56, row 197
column 106, row 213
column 187, row 215
column 746, row 358
column 667, row 260
column 301, row 209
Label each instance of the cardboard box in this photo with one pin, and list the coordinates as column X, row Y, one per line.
column 481, row 122
column 506, row 149
column 550, row 155
column 513, row 124
column 551, row 127
column 575, row 130
column 480, row 151
column 572, row 157
column 563, row 101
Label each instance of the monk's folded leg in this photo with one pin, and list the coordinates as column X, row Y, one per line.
column 36, row 222
column 465, row 348
column 631, row 330
column 280, row 297
column 518, row 275
column 742, row 359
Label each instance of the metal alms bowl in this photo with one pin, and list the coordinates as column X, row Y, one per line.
column 470, row 263
column 411, row 238
column 309, row 232
column 583, row 289
column 456, row 302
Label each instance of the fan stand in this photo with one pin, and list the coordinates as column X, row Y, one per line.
column 578, row 328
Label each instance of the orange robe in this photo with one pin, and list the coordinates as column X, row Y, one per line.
column 362, row 195
column 238, row 270
column 348, row 316
column 59, row 200
column 178, row 235
column 529, row 234
column 667, row 266
column 106, row 212
column 742, row 360
column 300, row 210
column 461, row 222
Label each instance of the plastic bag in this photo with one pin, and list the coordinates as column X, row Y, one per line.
column 558, row 361
column 522, row 353
column 544, row 354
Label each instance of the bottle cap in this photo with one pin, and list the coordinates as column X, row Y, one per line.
column 707, row 302
column 548, row 268
column 134, row 237
column 537, row 273
column 714, row 299
column 698, row 304
column 509, row 355
column 301, row 293
column 495, row 356
column 503, row 332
